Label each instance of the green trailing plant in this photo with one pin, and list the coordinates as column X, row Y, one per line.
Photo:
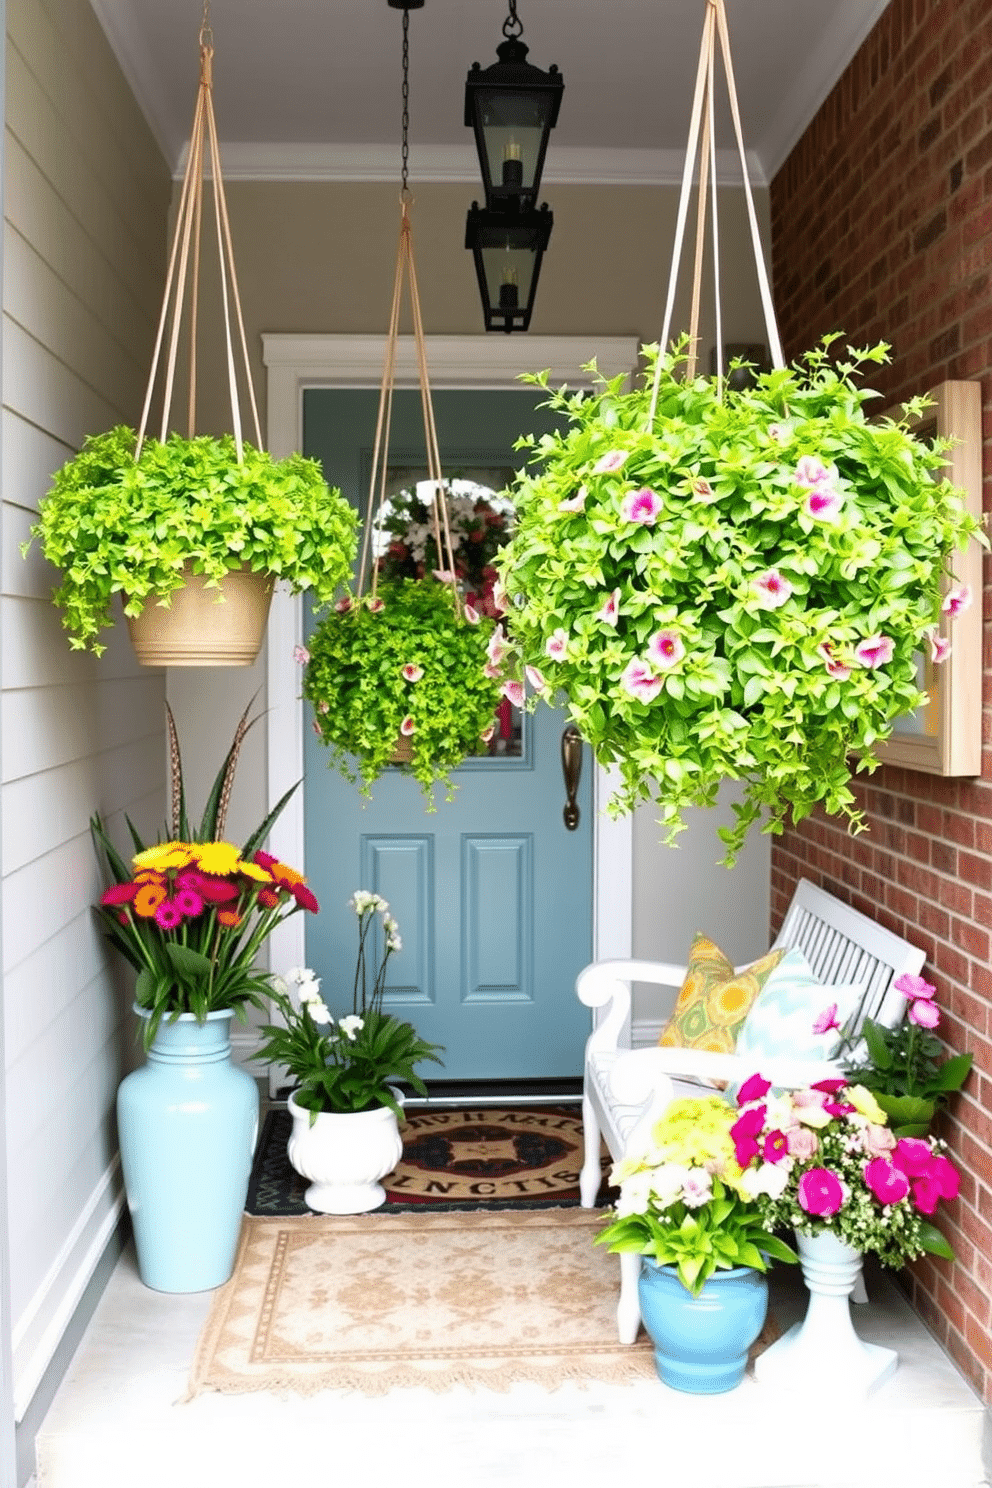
column 401, row 665
column 116, row 525
column 738, row 588
column 348, row 1064
column 907, row 1069
column 192, row 911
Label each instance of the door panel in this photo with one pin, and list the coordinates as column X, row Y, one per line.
column 492, row 894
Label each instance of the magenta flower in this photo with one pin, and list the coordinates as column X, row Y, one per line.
column 956, row 600
column 940, row 646
column 640, row 681
column 835, row 668
column 665, row 649
column 914, row 986
column 609, row 610
column 771, row 590
column 820, row 1192
column 497, row 647
column 189, row 903
column 754, row 1087
column 168, row 915
column 945, row 1175
column 811, row 472
column 829, row 1086
column 407, row 727
column 342, row 606
column 888, row 1183
column 515, row 692
column 924, row 1014
column 876, row 651
column 776, row 1147
column 119, row 894
column 926, row 1194
column 826, row 1020
column 556, row 644
column 535, row 678
column 609, row 462
column 745, row 1132
column 913, row 1156
column 823, row 503
column 641, row 507
column 574, row 503
column 301, row 655
column 376, row 605
column 412, row 672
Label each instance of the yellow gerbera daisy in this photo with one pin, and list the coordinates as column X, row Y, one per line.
column 164, row 855
column 255, row 871
column 218, row 858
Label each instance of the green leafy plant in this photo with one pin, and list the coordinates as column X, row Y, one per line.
column 684, row 1201
column 401, row 665
column 191, row 913
column 738, row 588
column 907, row 1068
column 348, row 1065
column 116, row 525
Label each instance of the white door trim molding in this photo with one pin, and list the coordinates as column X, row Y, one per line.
column 296, row 362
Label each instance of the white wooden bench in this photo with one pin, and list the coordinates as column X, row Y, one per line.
column 625, row 1090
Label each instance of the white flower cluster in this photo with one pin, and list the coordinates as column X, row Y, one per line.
column 303, row 989
column 364, row 902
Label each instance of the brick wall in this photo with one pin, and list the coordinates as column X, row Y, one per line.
column 882, row 228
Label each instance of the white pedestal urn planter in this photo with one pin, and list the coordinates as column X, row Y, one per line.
column 824, row 1347
column 344, row 1154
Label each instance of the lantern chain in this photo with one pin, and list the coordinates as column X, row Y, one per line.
column 406, row 103
column 513, row 25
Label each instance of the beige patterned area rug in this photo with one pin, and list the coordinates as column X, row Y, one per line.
column 375, row 1302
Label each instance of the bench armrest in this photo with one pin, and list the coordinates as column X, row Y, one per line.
column 607, row 984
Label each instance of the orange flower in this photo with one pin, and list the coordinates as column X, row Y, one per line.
column 148, row 898
column 229, row 918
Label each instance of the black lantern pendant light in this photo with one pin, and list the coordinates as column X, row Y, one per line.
column 512, row 107
column 508, row 248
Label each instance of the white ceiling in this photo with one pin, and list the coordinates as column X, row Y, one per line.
column 311, row 88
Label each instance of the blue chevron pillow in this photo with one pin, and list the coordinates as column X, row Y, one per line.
column 784, row 1012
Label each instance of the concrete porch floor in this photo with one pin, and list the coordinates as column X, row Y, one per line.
column 116, row 1420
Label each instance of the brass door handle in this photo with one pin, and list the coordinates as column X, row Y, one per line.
column 571, row 769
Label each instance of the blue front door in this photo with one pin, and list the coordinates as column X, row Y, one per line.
column 492, row 893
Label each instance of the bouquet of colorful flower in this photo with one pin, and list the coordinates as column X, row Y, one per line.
column 826, row 1158
column 190, row 914
column 479, row 526
column 687, row 1200
column 347, row 1065
column 907, row 1068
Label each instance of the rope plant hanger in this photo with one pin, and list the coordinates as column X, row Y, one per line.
column 402, row 674
column 184, row 270
column 717, row 576
column 406, row 272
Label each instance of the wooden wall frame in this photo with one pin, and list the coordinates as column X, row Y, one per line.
column 945, row 737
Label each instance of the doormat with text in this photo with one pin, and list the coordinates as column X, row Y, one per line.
column 454, row 1158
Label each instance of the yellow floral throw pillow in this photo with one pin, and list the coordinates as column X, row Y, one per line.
column 714, row 1000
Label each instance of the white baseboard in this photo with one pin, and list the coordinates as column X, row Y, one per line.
column 646, row 1031
column 40, row 1327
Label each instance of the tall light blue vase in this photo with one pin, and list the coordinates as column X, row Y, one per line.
column 187, row 1122
column 701, row 1343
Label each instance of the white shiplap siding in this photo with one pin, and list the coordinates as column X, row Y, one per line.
column 86, row 204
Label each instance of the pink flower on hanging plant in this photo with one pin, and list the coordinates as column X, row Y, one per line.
column 556, row 644
column 376, row 605
column 609, row 462
column 876, row 651
column 301, row 655
column 665, row 649
column 956, row 600
column 609, row 610
column 472, row 615
column 702, row 490
column 770, row 590
column 492, row 672
column 823, row 503
column 835, row 668
column 412, row 672
column 487, row 733
column 640, row 681
column 641, row 507
column 515, row 692
column 940, row 646
column 407, row 727
column 811, row 471
column 574, row 503
column 342, row 606
column 536, row 678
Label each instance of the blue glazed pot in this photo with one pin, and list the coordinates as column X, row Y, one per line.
column 187, row 1122
column 701, row 1343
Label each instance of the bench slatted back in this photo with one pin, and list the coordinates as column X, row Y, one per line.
column 843, row 945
